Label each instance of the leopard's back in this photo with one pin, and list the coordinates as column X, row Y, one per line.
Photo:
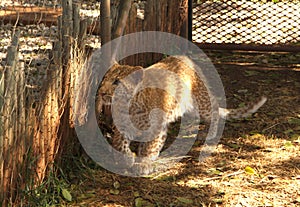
column 192, row 92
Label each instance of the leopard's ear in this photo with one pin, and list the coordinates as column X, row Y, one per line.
column 137, row 76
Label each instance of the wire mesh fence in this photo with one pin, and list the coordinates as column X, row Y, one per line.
column 258, row 22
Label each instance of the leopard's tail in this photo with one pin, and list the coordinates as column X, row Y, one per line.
column 242, row 112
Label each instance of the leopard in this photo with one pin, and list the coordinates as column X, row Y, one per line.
column 150, row 99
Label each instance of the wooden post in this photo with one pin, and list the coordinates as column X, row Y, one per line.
column 119, row 28
column 105, row 21
column 9, row 123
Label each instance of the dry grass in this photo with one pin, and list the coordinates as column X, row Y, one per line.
column 256, row 163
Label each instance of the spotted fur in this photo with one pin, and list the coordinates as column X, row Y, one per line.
column 139, row 94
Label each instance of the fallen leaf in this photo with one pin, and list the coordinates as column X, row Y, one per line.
column 235, row 146
column 214, row 171
column 288, row 144
column 295, row 137
column 116, row 185
column 136, row 194
column 218, row 200
column 293, row 120
column 250, row 170
column 67, row 195
column 288, row 131
column 140, row 202
column 114, row 192
column 185, row 200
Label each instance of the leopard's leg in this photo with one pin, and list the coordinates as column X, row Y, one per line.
column 123, row 155
column 148, row 152
column 151, row 149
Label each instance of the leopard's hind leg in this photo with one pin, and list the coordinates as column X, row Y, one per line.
column 123, row 155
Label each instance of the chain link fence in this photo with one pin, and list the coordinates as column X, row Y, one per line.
column 258, row 22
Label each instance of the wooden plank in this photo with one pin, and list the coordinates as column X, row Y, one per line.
column 255, row 67
column 37, row 15
column 30, row 15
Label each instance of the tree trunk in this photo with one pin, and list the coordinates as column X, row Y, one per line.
column 166, row 15
column 105, row 22
column 120, row 23
column 159, row 15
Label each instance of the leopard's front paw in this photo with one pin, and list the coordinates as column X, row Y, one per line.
column 143, row 168
column 124, row 160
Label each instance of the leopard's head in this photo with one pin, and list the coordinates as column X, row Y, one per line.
column 124, row 78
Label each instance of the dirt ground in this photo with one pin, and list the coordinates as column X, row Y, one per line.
column 256, row 163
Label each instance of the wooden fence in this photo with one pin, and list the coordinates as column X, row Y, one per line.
column 37, row 125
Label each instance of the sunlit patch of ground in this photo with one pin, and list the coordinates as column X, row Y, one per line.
column 256, row 163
